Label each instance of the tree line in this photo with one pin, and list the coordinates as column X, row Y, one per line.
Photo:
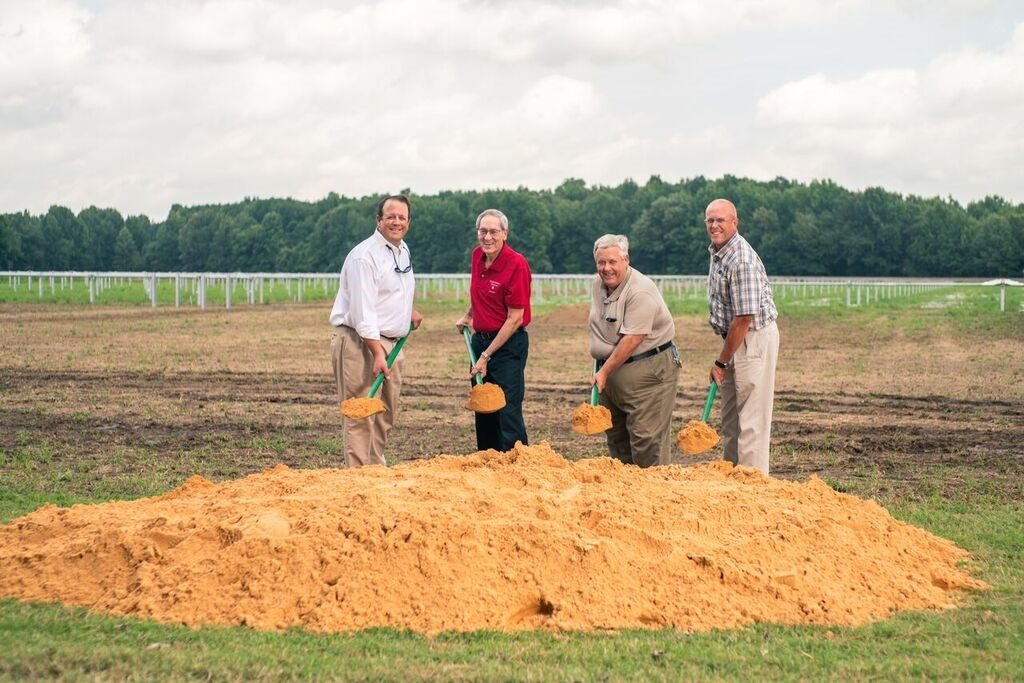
column 817, row 228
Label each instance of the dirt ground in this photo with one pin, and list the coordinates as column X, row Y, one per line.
column 872, row 407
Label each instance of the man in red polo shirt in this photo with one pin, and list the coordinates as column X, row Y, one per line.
column 499, row 311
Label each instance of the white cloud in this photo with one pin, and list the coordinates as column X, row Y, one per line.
column 557, row 102
column 139, row 104
column 956, row 122
column 879, row 97
column 975, row 79
column 39, row 41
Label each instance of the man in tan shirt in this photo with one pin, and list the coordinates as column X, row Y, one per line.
column 631, row 337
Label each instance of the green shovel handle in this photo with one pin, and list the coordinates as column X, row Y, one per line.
column 595, row 395
column 375, row 387
column 472, row 356
column 712, row 390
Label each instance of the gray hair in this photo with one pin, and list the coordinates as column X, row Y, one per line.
column 605, row 241
column 492, row 212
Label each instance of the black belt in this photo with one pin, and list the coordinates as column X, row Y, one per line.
column 492, row 335
column 651, row 352
column 640, row 356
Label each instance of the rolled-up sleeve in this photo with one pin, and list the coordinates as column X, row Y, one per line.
column 744, row 288
column 517, row 293
column 362, row 285
column 638, row 314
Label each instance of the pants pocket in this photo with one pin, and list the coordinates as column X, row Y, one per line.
column 753, row 346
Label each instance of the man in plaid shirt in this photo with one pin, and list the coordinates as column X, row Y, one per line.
column 742, row 312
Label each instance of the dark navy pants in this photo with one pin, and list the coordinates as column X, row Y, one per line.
column 507, row 369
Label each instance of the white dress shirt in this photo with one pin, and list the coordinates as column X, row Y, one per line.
column 372, row 298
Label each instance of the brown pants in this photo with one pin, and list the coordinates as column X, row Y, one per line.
column 353, row 365
column 640, row 396
column 748, row 393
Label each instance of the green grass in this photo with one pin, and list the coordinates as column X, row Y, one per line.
column 134, row 293
column 275, row 445
column 29, row 478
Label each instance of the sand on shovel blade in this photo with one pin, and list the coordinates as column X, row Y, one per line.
column 486, row 398
column 362, row 407
column 589, row 420
column 696, row 437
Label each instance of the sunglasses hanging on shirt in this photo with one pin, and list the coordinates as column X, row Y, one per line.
column 609, row 311
column 400, row 271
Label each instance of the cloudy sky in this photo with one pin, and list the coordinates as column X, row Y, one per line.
column 139, row 104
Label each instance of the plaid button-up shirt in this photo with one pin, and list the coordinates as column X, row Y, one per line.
column 738, row 285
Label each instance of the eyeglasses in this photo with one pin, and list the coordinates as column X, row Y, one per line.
column 490, row 233
column 400, row 271
column 719, row 221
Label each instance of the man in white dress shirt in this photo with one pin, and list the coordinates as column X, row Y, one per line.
column 372, row 310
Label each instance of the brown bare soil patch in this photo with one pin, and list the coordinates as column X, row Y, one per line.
column 89, row 395
column 243, row 390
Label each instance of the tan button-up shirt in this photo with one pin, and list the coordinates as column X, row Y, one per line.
column 634, row 307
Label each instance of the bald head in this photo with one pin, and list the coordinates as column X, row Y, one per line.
column 722, row 204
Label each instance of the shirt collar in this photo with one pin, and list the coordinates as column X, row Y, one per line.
column 614, row 295
column 499, row 262
column 728, row 248
column 379, row 240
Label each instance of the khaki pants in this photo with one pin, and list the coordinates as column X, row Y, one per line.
column 748, row 393
column 640, row 396
column 353, row 364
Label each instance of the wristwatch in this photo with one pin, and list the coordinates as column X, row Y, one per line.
column 720, row 364
column 484, row 354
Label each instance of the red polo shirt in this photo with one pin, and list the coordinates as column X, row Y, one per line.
column 494, row 290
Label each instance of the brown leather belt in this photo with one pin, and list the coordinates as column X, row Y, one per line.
column 390, row 339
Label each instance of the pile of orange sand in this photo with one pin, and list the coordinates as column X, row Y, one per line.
column 516, row 540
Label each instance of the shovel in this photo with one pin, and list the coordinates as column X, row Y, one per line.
column 592, row 418
column 698, row 436
column 484, row 397
column 360, row 407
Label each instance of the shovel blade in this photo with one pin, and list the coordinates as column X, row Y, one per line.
column 486, row 398
column 590, row 420
column 696, row 437
column 361, row 407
